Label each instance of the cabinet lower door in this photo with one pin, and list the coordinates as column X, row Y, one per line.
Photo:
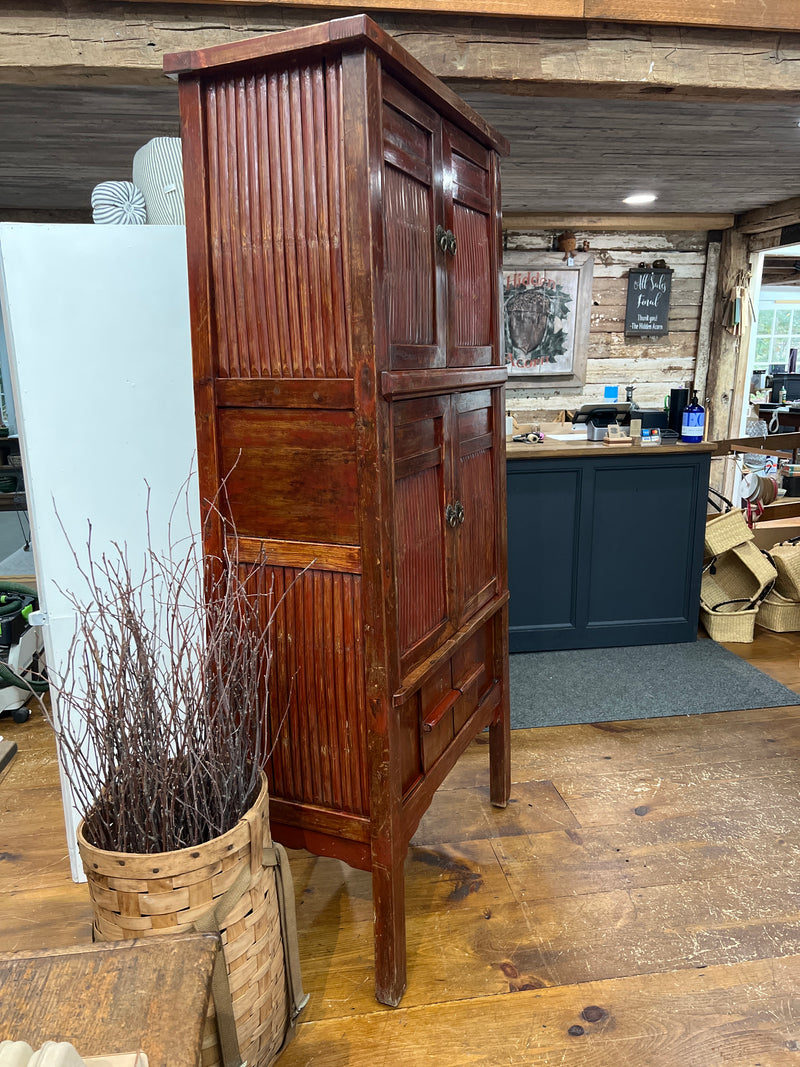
column 422, row 544
column 476, row 500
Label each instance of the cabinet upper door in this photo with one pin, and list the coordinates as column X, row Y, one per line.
column 423, row 541
column 474, row 441
column 470, row 256
column 415, row 300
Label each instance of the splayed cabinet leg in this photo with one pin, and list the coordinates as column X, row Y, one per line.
column 500, row 729
column 388, row 895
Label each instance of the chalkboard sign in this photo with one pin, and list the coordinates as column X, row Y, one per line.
column 647, row 307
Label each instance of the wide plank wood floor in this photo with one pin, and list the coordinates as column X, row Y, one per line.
column 638, row 902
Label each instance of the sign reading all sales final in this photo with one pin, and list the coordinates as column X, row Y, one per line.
column 647, row 307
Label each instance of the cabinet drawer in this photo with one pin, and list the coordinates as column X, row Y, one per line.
column 437, row 698
column 472, row 670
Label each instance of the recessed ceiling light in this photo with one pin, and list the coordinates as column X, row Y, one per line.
column 640, row 198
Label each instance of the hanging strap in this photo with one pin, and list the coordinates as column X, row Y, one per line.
column 276, row 857
column 220, row 985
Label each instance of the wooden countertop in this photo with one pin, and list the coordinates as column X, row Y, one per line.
column 551, row 449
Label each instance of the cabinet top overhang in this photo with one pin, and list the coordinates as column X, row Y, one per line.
column 327, row 38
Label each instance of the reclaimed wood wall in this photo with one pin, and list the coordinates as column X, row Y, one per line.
column 653, row 366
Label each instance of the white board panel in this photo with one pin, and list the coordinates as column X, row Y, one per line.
column 97, row 326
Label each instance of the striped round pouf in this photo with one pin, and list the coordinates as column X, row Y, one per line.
column 118, row 204
column 158, row 172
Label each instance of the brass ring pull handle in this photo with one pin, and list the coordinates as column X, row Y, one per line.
column 450, row 516
column 452, row 244
column 459, row 510
column 441, row 238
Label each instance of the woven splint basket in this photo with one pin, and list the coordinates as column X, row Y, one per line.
column 738, row 576
column 778, row 614
column 786, row 558
column 726, row 531
column 729, row 625
column 732, row 587
column 238, row 883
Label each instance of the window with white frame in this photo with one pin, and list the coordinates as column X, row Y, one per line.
column 777, row 331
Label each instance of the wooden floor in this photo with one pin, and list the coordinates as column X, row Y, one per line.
column 638, row 903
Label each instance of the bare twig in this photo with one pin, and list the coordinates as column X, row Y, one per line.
column 163, row 695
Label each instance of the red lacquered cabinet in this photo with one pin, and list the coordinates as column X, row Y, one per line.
column 343, row 228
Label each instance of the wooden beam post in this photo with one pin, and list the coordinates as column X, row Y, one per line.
column 710, row 282
column 726, row 350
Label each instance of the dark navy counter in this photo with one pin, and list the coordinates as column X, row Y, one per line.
column 605, row 543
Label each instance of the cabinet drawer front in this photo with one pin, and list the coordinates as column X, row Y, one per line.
column 473, row 673
column 437, row 698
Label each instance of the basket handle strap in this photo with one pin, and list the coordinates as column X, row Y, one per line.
column 275, row 856
column 750, row 604
column 220, row 984
column 724, row 499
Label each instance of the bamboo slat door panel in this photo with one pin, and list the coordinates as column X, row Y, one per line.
column 412, row 201
column 469, row 215
column 474, row 444
column 423, row 554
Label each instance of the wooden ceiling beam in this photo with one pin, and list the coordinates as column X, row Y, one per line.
column 771, row 217
column 719, row 14
column 617, row 223
column 123, row 43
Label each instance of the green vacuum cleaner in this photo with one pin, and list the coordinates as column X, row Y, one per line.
column 21, row 650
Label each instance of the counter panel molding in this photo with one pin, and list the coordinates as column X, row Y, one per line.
column 605, row 550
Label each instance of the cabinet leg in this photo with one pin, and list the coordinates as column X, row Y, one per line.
column 388, row 896
column 500, row 762
column 500, row 729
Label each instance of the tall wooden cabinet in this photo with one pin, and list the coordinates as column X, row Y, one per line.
column 344, row 254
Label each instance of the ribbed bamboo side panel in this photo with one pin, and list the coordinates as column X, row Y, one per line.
column 317, row 697
column 135, row 895
column 275, row 196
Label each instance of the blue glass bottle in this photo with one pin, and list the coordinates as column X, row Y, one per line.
column 694, row 417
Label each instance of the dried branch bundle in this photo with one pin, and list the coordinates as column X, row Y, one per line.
column 163, row 696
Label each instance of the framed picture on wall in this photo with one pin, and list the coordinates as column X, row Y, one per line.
column 546, row 311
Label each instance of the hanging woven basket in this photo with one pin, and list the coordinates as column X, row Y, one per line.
column 238, row 883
